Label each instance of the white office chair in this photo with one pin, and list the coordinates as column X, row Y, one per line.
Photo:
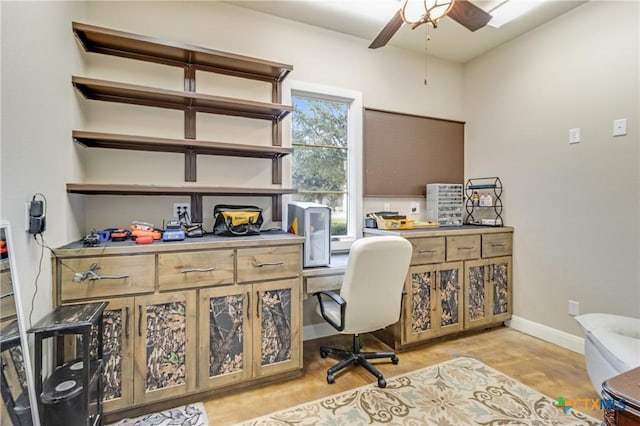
column 369, row 299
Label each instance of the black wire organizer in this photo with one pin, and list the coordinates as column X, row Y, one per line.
column 483, row 213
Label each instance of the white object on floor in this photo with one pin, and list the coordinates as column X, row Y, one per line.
column 611, row 345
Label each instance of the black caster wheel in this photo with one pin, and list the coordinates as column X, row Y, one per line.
column 330, row 378
column 394, row 360
column 323, row 354
column 382, row 383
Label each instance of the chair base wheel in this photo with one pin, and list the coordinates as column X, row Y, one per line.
column 323, row 354
column 330, row 378
column 382, row 383
column 394, row 360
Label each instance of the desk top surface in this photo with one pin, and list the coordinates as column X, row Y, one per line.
column 441, row 231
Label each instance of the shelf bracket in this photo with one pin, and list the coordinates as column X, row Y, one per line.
column 190, row 161
column 276, row 207
column 196, row 208
column 276, row 133
column 276, row 170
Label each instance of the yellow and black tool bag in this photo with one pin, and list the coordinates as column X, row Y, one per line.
column 234, row 221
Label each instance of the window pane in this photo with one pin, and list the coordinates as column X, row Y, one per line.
column 319, row 169
column 319, row 122
column 320, row 156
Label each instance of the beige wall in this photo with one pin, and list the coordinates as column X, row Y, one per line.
column 575, row 208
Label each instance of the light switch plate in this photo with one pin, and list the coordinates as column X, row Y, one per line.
column 574, row 135
column 620, row 127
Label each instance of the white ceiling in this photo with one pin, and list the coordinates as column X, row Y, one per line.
column 449, row 41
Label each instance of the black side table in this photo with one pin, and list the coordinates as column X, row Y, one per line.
column 72, row 394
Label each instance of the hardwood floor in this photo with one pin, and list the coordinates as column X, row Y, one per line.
column 547, row 368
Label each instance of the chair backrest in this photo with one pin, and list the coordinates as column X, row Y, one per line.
column 373, row 282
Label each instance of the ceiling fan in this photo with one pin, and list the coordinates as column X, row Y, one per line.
column 464, row 12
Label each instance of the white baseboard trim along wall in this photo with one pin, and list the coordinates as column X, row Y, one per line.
column 546, row 333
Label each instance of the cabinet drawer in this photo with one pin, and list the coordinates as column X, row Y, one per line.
column 269, row 262
column 463, row 247
column 329, row 282
column 119, row 275
column 195, row 269
column 427, row 250
column 497, row 244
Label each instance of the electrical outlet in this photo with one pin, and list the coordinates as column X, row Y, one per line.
column 181, row 210
column 415, row 207
column 574, row 308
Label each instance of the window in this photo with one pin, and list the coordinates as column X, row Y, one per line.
column 326, row 137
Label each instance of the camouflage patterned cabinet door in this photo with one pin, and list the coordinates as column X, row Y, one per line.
column 277, row 333
column 477, row 294
column 500, row 287
column 449, row 298
column 165, row 348
column 224, row 335
column 419, row 304
column 117, row 343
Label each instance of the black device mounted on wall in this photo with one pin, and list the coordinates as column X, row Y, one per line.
column 36, row 219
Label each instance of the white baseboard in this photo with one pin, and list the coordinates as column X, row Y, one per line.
column 315, row 331
column 546, row 333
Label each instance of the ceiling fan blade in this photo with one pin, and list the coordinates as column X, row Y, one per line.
column 469, row 15
column 387, row 32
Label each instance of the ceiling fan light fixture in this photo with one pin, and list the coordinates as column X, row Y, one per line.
column 418, row 12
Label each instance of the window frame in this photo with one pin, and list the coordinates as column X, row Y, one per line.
column 353, row 98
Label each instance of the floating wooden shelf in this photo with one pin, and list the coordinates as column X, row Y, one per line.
column 112, row 91
column 149, row 49
column 124, row 189
column 147, row 143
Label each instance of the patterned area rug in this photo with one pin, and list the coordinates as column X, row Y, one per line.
column 462, row 391
column 187, row 415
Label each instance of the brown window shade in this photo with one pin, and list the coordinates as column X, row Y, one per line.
column 402, row 153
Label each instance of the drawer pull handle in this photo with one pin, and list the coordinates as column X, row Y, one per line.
column 498, row 244
column 261, row 264
column 92, row 276
column 139, row 320
column 186, row 271
column 108, row 277
column 126, row 322
column 426, row 251
column 248, row 305
column 465, row 248
column 257, row 304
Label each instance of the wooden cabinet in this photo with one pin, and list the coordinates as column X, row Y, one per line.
column 191, row 59
column 460, row 278
column 165, row 345
column 433, row 302
column 188, row 317
column 249, row 331
column 117, row 354
column 488, row 291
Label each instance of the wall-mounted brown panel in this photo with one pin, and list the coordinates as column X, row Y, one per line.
column 402, row 153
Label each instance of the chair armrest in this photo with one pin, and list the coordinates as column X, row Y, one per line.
column 336, row 298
